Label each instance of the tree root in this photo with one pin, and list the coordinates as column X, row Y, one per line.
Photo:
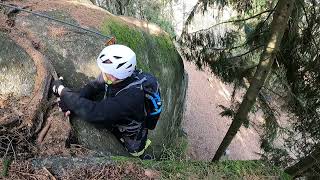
column 31, row 114
column 49, row 173
column 42, row 81
column 53, row 137
column 43, row 132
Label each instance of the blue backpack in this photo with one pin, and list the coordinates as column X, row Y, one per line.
column 152, row 101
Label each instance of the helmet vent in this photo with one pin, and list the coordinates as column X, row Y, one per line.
column 107, row 61
column 121, row 64
column 117, row 57
column 129, row 66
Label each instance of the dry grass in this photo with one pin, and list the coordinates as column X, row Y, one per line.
column 25, row 171
column 14, row 134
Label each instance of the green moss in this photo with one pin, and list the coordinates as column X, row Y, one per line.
column 176, row 150
column 6, row 161
column 158, row 48
column 129, row 36
column 205, row 170
column 165, row 44
column 167, row 48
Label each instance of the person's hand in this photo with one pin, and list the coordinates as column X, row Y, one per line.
column 63, row 107
column 57, row 87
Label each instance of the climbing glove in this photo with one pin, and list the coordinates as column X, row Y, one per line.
column 63, row 107
column 57, row 86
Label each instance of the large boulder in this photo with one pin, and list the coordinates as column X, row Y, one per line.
column 17, row 70
column 73, row 53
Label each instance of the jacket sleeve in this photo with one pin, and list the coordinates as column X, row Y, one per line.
column 93, row 88
column 106, row 111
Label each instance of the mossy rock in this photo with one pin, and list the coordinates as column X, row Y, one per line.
column 73, row 54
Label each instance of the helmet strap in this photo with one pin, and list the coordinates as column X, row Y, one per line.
column 109, row 81
column 106, row 79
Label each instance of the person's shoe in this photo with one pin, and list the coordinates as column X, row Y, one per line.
column 146, row 157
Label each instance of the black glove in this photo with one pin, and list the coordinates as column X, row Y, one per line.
column 62, row 105
column 55, row 86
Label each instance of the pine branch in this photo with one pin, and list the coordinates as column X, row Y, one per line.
column 235, row 47
column 305, row 163
column 269, row 15
column 190, row 17
column 271, row 122
column 267, row 111
column 248, row 52
column 246, row 42
column 192, row 13
column 127, row 3
column 273, row 92
column 278, row 26
column 300, row 102
column 238, row 20
column 308, row 22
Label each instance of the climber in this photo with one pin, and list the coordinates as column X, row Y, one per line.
column 122, row 109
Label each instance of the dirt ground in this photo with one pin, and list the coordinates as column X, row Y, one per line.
column 204, row 126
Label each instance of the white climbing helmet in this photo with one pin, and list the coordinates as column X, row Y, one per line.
column 117, row 60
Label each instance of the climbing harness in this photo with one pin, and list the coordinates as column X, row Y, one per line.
column 110, row 39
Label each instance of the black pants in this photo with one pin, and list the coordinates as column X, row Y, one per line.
column 133, row 142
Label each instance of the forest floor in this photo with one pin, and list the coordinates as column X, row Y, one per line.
column 131, row 168
column 205, row 127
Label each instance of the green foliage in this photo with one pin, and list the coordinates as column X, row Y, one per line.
column 6, row 162
column 151, row 11
column 294, row 82
column 157, row 47
column 257, row 33
column 129, row 36
column 234, row 54
column 176, row 151
column 242, row 6
column 170, row 169
column 229, row 112
column 297, row 84
column 145, row 10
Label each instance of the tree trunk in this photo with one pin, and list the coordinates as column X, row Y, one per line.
column 278, row 26
column 305, row 163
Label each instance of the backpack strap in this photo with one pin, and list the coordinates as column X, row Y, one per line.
column 133, row 84
column 133, row 127
column 154, row 101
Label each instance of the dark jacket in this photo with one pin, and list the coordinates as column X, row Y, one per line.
column 122, row 107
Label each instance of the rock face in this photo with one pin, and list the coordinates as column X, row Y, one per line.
column 17, row 69
column 73, row 54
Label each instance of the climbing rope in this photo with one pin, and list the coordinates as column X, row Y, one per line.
column 110, row 39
